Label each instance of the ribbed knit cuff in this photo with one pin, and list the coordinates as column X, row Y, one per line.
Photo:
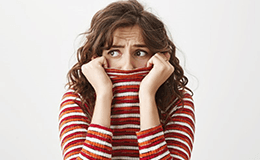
column 101, row 130
column 98, row 142
column 152, row 143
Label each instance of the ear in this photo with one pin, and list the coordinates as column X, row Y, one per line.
column 167, row 55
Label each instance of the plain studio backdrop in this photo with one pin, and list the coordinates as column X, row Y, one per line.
column 218, row 43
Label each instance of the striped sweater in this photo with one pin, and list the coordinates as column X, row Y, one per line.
column 123, row 140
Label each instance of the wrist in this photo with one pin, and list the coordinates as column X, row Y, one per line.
column 146, row 94
column 104, row 96
column 149, row 116
column 106, row 92
column 102, row 109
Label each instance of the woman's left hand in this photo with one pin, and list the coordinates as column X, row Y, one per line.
column 161, row 71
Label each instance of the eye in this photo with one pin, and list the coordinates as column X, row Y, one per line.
column 141, row 53
column 114, row 53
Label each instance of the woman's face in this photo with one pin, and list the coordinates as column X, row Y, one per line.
column 128, row 50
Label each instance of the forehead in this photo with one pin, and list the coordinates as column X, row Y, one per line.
column 133, row 33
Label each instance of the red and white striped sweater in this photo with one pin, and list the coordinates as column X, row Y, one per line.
column 123, row 140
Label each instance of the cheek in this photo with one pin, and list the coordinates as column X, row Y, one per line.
column 110, row 61
column 141, row 63
column 113, row 63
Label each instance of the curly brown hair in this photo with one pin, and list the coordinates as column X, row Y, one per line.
column 100, row 34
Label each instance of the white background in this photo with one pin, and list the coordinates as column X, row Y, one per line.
column 220, row 43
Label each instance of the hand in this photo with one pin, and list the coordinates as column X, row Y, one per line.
column 96, row 75
column 161, row 71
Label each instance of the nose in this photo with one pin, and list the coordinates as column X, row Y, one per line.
column 128, row 62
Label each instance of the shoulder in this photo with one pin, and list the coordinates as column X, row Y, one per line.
column 69, row 97
column 181, row 108
column 71, row 106
column 70, row 94
column 70, row 101
column 185, row 102
column 187, row 99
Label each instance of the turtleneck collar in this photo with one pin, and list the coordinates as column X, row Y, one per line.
column 126, row 84
column 136, row 75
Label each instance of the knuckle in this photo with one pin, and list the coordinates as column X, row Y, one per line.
column 156, row 55
column 171, row 69
column 83, row 67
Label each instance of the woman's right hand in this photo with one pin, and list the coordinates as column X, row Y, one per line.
column 96, row 75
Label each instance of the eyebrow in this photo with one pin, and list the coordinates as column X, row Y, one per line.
column 136, row 45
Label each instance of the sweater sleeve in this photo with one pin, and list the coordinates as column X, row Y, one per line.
column 80, row 139
column 175, row 141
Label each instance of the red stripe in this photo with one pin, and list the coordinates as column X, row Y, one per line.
column 134, row 77
column 153, row 155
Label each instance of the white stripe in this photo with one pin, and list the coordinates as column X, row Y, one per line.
column 74, row 139
column 125, row 105
column 97, row 152
column 176, row 156
column 71, row 114
column 152, row 148
column 180, row 132
column 161, row 156
column 190, row 108
column 179, row 140
column 184, row 115
column 125, row 84
column 179, row 107
column 150, row 137
column 73, row 122
column 73, row 156
column 69, row 98
column 68, row 106
column 125, row 137
column 139, row 72
column 125, row 116
column 182, row 124
column 171, row 104
column 100, row 131
column 72, row 132
column 125, row 147
column 82, row 157
column 126, row 94
column 188, row 99
column 91, row 139
column 174, row 109
column 124, row 157
column 72, row 148
column 124, row 126
column 180, row 149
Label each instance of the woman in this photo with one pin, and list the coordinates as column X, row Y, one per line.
column 127, row 96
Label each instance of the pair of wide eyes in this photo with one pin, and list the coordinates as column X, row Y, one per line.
column 138, row 53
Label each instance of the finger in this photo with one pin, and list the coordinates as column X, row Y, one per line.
column 93, row 57
column 154, row 60
column 150, row 62
column 162, row 56
column 82, row 67
column 159, row 58
column 104, row 62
